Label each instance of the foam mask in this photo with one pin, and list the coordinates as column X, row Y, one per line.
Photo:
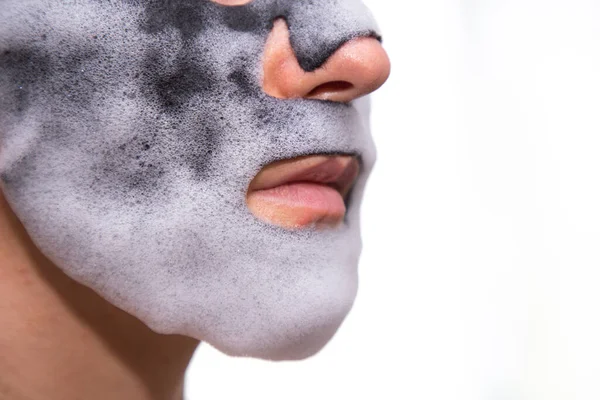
column 129, row 133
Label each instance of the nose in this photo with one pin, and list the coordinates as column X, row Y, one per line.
column 358, row 67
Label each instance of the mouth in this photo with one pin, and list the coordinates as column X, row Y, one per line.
column 304, row 192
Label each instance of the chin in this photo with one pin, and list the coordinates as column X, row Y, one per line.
column 298, row 334
column 294, row 344
column 270, row 316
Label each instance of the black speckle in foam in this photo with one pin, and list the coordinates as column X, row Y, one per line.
column 133, row 169
column 265, row 116
column 25, row 70
column 188, row 16
column 191, row 16
column 202, row 145
column 173, row 89
column 243, row 80
column 73, row 81
column 244, row 19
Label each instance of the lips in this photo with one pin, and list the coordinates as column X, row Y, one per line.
column 303, row 192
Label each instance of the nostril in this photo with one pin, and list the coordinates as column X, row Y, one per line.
column 328, row 89
column 355, row 69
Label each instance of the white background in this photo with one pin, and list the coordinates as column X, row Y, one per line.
column 481, row 222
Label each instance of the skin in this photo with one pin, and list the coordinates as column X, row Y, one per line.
column 63, row 332
column 133, row 129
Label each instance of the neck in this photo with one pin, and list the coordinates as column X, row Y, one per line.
column 60, row 340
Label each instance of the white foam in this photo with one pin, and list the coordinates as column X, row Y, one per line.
column 140, row 195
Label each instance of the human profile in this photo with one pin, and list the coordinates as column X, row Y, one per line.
column 176, row 171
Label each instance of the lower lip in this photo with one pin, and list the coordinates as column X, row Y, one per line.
column 298, row 205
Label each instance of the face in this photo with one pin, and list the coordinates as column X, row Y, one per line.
column 135, row 137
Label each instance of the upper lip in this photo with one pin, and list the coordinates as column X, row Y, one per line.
column 337, row 171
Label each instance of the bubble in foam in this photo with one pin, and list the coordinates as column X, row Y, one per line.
column 131, row 130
